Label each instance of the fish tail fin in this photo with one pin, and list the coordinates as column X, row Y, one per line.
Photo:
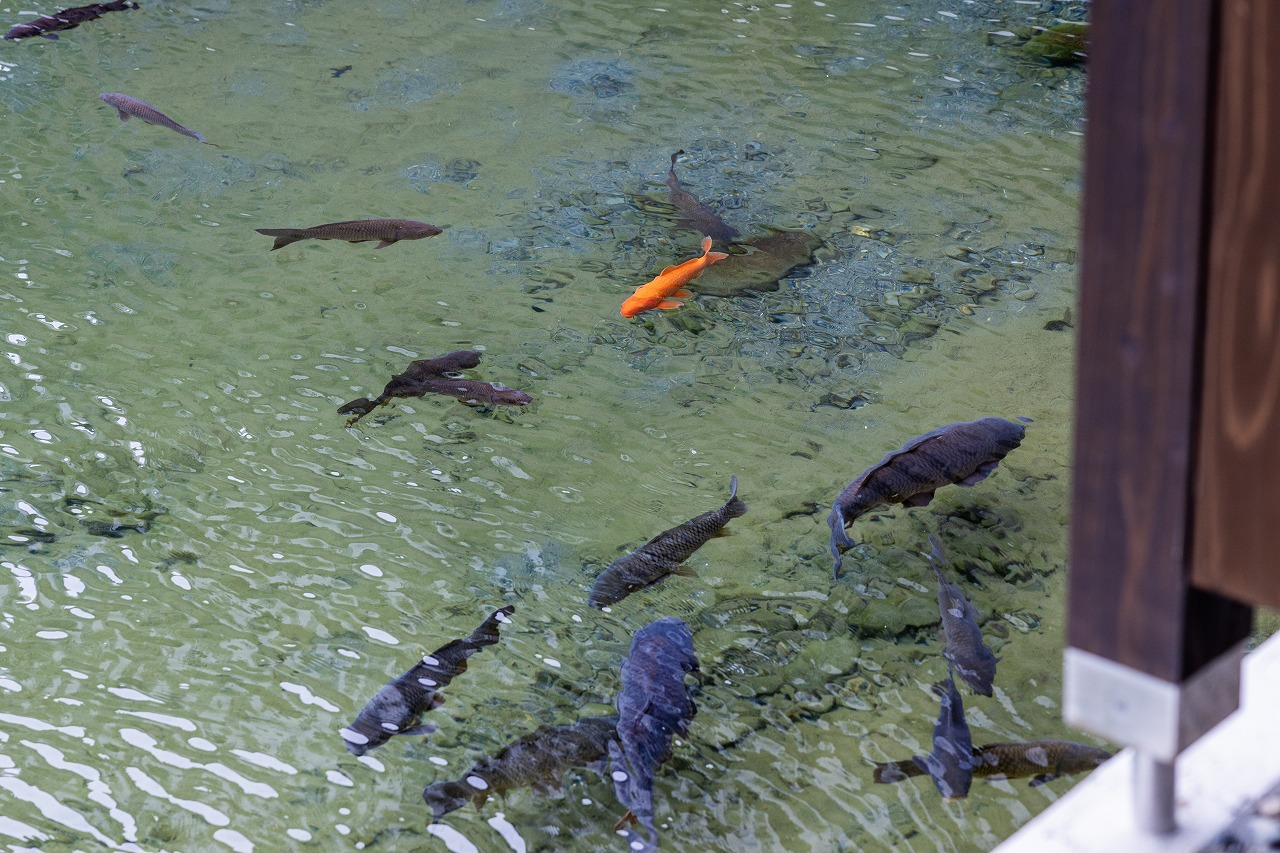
column 284, row 236
column 840, row 541
column 734, row 508
column 706, row 245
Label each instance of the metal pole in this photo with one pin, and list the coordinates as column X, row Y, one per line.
column 1153, row 794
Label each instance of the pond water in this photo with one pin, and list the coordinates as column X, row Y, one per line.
column 208, row 574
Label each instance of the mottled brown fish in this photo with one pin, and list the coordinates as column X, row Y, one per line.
column 537, row 760
column 130, row 107
column 968, row 653
column 385, row 231
column 66, row 19
column 1043, row 760
column 961, row 453
column 951, row 762
column 396, row 708
column 441, row 375
column 664, row 554
column 693, row 214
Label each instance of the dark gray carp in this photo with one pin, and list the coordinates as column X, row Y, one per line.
column 67, row 19
column 961, row 453
column 951, row 762
column 654, row 706
column 1042, row 760
column 664, row 554
column 397, row 707
column 537, row 760
column 130, row 107
column 694, row 214
column 385, row 231
column 968, row 653
column 441, row 375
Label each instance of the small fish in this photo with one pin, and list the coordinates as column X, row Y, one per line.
column 654, row 706
column 951, row 762
column 963, row 453
column 129, row 107
column 441, row 375
column 385, row 231
column 537, row 760
column 965, row 648
column 338, row 72
column 693, row 213
column 65, row 20
column 663, row 555
column 1043, row 760
column 670, row 282
column 396, row 708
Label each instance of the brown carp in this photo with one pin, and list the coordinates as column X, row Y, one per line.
column 664, row 554
column 961, row 453
column 441, row 375
column 694, row 214
column 537, row 760
column 130, row 107
column 385, row 231
column 1042, row 760
column 396, row 708
column 951, row 762
column 65, row 20
column 968, row 653
column 654, row 706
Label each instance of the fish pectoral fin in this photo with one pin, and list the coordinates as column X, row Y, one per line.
column 384, row 244
column 683, row 294
column 668, row 304
column 921, row 499
column 983, row 472
column 124, row 116
column 422, row 729
column 684, row 572
column 49, row 36
column 626, row 820
column 1037, row 781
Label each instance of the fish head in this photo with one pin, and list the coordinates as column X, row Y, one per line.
column 411, row 230
column 636, row 304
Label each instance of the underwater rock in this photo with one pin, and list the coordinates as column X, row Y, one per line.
column 1061, row 44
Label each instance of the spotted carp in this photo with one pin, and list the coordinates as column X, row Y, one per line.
column 397, row 707
column 67, row 19
column 654, row 706
column 385, row 231
column 129, row 107
column 693, row 213
column 441, row 375
column 968, row 653
column 961, row 453
column 664, row 554
column 1042, row 760
column 537, row 760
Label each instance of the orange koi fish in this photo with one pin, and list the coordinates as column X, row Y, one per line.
column 670, row 282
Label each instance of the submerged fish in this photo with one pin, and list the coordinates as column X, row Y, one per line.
column 396, row 708
column 962, row 453
column 66, row 19
column 129, row 107
column 1043, row 760
column 965, row 648
column 693, row 213
column 662, row 556
column 654, row 706
column 385, row 231
column 441, row 375
column 670, row 282
column 951, row 762
column 537, row 760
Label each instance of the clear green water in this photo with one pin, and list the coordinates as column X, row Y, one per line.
column 182, row 688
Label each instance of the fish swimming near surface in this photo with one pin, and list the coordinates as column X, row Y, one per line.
column 951, row 762
column 398, row 706
column 962, row 453
column 968, row 653
column 693, row 213
column 130, row 107
column 538, row 760
column 1042, row 760
column 45, row 25
column 664, row 554
column 385, row 231
column 654, row 706
column 441, row 375
column 670, row 283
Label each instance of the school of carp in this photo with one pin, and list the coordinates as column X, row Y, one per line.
column 655, row 702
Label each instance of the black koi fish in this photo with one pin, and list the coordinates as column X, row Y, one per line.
column 385, row 231
column 537, row 760
column 1042, row 760
column 664, row 554
column 693, row 213
column 654, row 706
column 951, row 762
column 396, row 708
column 962, row 453
column 965, row 648
column 65, row 20
column 441, row 375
